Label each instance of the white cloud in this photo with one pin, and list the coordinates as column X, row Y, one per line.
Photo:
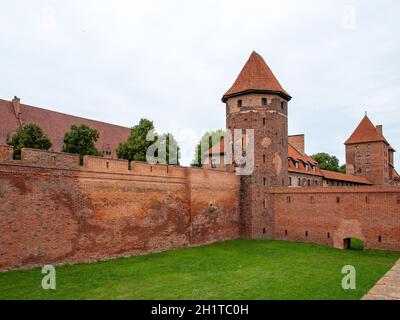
column 171, row 61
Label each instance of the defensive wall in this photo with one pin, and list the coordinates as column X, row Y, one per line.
column 55, row 211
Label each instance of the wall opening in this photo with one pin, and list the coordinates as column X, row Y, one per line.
column 353, row 244
column 264, row 231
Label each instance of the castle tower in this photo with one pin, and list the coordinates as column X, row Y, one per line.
column 369, row 154
column 257, row 101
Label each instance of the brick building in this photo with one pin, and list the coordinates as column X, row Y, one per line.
column 369, row 154
column 55, row 210
column 14, row 114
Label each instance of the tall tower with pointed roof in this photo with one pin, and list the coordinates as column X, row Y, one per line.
column 258, row 101
column 369, row 154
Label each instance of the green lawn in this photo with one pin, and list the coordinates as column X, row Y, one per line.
column 241, row 269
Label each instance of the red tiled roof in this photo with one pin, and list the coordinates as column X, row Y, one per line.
column 301, row 159
column 365, row 132
column 55, row 124
column 255, row 76
column 331, row 175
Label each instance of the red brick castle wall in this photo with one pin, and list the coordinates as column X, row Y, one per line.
column 329, row 216
column 55, row 211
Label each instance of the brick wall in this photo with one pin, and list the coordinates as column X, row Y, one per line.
column 329, row 216
column 43, row 158
column 50, row 214
column 6, row 153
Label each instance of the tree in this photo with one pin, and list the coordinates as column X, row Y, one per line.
column 81, row 140
column 135, row 148
column 208, row 140
column 328, row 162
column 29, row 136
column 166, row 150
column 144, row 144
column 342, row 168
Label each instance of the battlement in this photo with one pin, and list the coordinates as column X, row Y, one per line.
column 92, row 163
column 49, row 159
column 65, row 161
column 6, row 153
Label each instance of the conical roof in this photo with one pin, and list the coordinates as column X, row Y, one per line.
column 255, row 77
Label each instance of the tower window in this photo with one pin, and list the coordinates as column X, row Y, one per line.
column 264, row 158
column 264, row 102
column 264, row 121
column 239, row 103
column 282, row 105
column 290, row 181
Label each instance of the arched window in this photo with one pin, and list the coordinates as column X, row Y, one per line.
column 239, row 103
column 264, row 102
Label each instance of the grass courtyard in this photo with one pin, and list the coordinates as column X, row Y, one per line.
column 240, row 269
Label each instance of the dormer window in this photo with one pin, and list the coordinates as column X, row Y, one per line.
column 239, row 103
column 264, row 102
column 314, row 168
column 296, row 164
column 306, row 166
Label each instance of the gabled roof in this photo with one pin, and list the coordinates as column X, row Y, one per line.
column 365, row 132
column 255, row 77
column 332, row 175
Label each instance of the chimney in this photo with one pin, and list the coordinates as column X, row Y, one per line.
column 16, row 102
column 297, row 141
column 380, row 129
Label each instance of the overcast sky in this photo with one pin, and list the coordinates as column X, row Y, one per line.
column 171, row 61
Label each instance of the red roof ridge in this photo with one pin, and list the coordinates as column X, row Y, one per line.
column 65, row 114
column 365, row 132
column 333, row 175
column 256, row 76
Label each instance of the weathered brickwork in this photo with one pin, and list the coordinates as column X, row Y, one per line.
column 6, row 153
column 52, row 214
column 330, row 216
column 54, row 211
column 270, row 125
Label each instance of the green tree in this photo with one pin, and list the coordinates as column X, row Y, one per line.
column 209, row 139
column 342, row 168
column 135, row 148
column 29, row 136
column 166, row 150
column 81, row 140
column 328, row 162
